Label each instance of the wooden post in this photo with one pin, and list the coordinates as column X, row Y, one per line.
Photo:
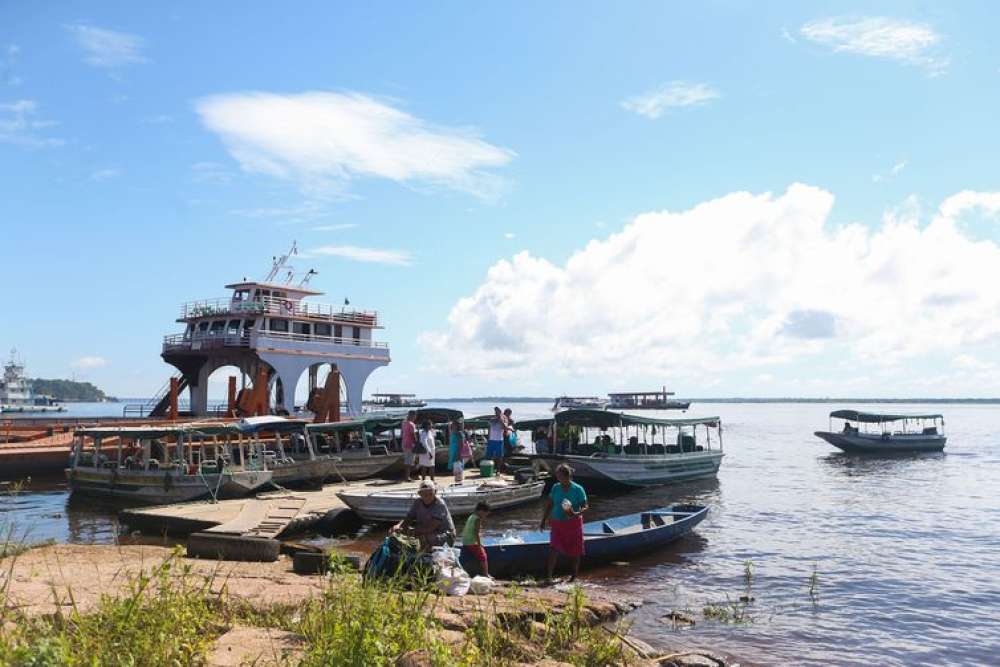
column 173, row 399
column 231, row 397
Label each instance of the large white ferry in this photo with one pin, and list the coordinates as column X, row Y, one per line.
column 269, row 332
column 16, row 395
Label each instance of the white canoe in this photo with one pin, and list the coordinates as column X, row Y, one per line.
column 461, row 499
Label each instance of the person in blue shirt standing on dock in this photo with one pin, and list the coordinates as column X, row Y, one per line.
column 566, row 504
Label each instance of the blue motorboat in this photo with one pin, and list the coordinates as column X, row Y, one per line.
column 619, row 538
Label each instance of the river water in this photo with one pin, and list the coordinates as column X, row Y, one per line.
column 853, row 561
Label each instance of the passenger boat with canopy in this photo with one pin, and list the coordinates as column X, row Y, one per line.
column 872, row 433
column 166, row 463
column 628, row 450
column 288, row 451
column 355, row 443
column 577, row 402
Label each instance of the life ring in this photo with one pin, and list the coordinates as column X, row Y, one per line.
column 288, row 306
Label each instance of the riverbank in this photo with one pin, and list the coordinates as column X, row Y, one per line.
column 65, row 603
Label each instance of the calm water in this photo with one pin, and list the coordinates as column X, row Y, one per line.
column 906, row 550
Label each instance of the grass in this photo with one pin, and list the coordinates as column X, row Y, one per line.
column 171, row 616
column 814, row 585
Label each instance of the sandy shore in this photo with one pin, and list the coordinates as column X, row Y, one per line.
column 59, row 579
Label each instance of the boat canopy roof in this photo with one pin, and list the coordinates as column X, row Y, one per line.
column 609, row 418
column 379, row 423
column 159, row 431
column 874, row 418
column 271, row 423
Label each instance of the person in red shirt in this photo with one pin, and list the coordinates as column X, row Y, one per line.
column 409, row 438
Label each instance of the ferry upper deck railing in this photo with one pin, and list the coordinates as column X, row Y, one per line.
column 207, row 340
column 270, row 305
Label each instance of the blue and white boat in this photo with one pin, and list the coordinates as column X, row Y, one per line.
column 871, row 433
column 620, row 538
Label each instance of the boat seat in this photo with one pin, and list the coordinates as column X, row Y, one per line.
column 649, row 520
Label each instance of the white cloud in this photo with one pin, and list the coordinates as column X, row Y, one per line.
column 739, row 282
column 509, row 235
column 8, row 64
column 374, row 255
column 20, row 125
column 654, row 103
column 335, row 228
column 323, row 140
column 89, row 363
column 107, row 48
column 880, row 37
column 101, row 175
column 893, row 172
column 210, row 172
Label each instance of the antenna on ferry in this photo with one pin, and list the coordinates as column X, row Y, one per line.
column 305, row 279
column 281, row 262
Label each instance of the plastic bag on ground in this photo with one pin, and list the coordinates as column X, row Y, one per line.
column 451, row 577
column 481, row 585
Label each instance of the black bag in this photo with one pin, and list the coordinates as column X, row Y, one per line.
column 418, row 447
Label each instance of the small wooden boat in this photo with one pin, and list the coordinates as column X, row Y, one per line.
column 461, row 499
column 621, row 538
column 353, row 443
column 871, row 433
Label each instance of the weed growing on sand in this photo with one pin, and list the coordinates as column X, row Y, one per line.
column 166, row 617
column 171, row 615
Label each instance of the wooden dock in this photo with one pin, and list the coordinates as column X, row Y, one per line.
column 272, row 514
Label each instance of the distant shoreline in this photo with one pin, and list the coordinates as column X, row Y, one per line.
column 542, row 399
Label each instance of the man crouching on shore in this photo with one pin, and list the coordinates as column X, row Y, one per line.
column 428, row 519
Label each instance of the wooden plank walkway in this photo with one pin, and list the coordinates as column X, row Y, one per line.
column 264, row 515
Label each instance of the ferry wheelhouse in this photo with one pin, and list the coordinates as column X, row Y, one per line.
column 626, row 450
column 273, row 335
column 872, row 433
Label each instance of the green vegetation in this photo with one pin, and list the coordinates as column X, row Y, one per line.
column 68, row 390
column 171, row 616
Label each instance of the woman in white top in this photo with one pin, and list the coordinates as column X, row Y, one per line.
column 425, row 453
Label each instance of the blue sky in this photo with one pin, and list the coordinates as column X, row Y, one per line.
column 734, row 199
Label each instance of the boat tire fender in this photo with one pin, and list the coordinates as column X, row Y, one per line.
column 220, row 546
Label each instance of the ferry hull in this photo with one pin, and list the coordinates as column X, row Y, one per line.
column 635, row 470
column 160, row 487
column 859, row 443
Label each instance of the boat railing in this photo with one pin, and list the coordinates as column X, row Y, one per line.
column 207, row 340
column 278, row 306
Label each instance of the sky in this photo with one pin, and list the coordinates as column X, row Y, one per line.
column 729, row 199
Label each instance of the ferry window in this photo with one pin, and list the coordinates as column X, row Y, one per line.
column 300, row 328
column 203, row 326
column 278, row 295
column 248, row 324
column 356, row 334
column 234, row 326
column 279, row 325
column 321, row 329
column 338, row 331
column 241, row 295
column 267, row 292
column 218, row 326
column 256, row 294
